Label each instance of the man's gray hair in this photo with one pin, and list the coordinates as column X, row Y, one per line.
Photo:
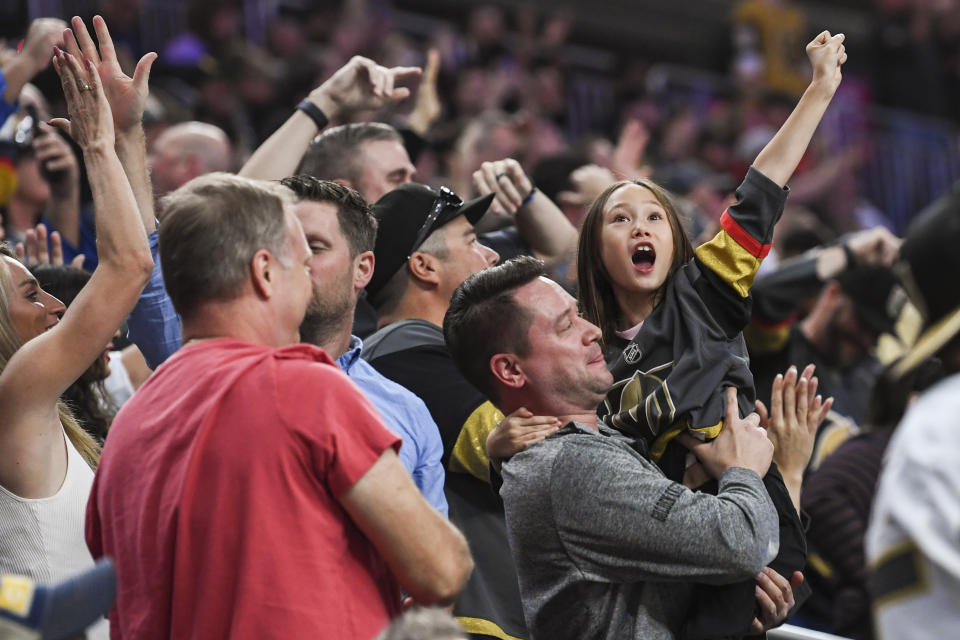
column 391, row 293
column 212, row 227
column 335, row 153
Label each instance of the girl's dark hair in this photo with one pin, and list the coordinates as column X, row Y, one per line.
column 87, row 396
column 595, row 291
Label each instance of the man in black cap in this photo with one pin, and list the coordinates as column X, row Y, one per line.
column 426, row 246
column 912, row 544
column 856, row 299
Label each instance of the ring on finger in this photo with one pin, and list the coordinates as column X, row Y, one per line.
column 500, row 175
column 85, row 87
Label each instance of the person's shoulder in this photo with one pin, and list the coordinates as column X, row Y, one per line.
column 401, row 336
column 930, row 425
column 575, row 444
column 307, row 365
column 384, row 387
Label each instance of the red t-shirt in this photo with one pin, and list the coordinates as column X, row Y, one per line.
column 217, row 493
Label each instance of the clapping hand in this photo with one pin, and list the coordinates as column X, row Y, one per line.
column 795, row 414
column 34, row 249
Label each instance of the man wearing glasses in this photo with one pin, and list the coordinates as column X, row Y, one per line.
column 426, row 246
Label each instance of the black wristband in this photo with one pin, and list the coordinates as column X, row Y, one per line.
column 526, row 201
column 852, row 260
column 312, row 110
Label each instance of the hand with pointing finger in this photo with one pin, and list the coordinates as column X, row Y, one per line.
column 361, row 84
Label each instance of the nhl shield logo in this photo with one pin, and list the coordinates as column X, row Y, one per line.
column 632, row 353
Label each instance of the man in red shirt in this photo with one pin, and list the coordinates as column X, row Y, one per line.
column 248, row 490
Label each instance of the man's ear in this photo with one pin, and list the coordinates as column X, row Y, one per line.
column 363, row 269
column 507, row 370
column 425, row 267
column 262, row 267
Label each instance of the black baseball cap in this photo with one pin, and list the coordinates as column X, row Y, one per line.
column 407, row 216
column 876, row 294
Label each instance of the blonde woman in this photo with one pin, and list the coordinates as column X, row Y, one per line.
column 46, row 460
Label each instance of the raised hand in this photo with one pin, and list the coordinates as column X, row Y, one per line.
column 827, row 54
column 588, row 182
column 796, row 412
column 875, row 247
column 42, row 36
column 631, row 146
column 91, row 122
column 57, row 158
column 361, row 84
column 426, row 109
column 127, row 96
column 507, row 180
column 34, row 249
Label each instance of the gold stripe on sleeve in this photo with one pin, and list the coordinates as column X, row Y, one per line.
column 470, row 451
column 734, row 264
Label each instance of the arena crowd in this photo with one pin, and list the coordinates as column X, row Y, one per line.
column 342, row 336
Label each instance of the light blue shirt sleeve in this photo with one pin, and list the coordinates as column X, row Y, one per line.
column 407, row 416
column 154, row 325
column 5, row 107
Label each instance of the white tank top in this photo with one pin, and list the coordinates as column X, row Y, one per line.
column 42, row 538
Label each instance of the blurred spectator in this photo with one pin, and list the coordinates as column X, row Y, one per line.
column 369, row 157
column 838, row 497
column 426, row 246
column 768, row 38
column 857, row 300
column 911, row 544
column 187, row 150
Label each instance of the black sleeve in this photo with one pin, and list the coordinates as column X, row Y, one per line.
column 777, row 295
column 726, row 611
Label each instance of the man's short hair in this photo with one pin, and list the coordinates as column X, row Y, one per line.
column 388, row 298
column 357, row 222
column 212, row 227
column 484, row 319
column 335, row 153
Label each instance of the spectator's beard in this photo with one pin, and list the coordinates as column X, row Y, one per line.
column 326, row 315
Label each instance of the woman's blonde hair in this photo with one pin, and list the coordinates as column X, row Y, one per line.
column 594, row 289
column 10, row 342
